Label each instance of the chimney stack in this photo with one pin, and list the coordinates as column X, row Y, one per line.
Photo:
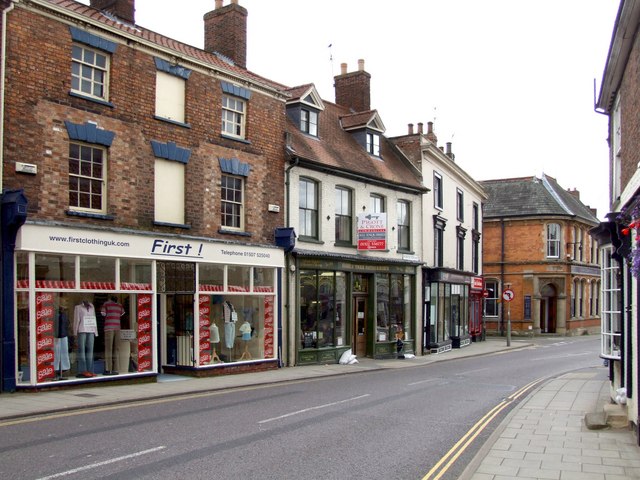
column 419, row 128
column 123, row 9
column 448, row 152
column 431, row 136
column 411, row 129
column 353, row 90
column 575, row 193
column 225, row 32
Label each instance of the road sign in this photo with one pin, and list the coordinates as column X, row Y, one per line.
column 508, row 295
column 485, row 293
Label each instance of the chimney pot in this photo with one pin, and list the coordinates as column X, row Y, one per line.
column 218, row 4
column 343, row 68
column 411, row 129
column 361, row 65
column 420, row 128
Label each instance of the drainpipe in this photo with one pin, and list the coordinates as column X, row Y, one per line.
column 502, row 255
column 3, row 56
column 289, row 261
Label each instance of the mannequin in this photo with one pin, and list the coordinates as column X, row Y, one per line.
column 214, row 339
column 61, row 341
column 230, row 318
column 112, row 311
column 85, row 329
column 245, row 329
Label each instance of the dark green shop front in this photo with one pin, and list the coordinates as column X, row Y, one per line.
column 345, row 304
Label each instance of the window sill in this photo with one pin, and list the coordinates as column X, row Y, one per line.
column 345, row 244
column 92, row 99
column 235, row 139
column 234, row 232
column 310, row 240
column 172, row 122
column 98, row 216
column 184, row 226
column 406, row 252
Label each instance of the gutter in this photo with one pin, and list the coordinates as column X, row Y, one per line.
column 3, row 56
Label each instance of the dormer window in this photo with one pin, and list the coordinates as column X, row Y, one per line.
column 373, row 144
column 309, row 121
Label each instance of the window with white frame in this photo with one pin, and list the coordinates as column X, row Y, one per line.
column 611, row 315
column 232, row 202
column 233, row 116
column 437, row 190
column 616, row 147
column 89, row 72
column 377, row 203
column 403, row 211
column 170, row 97
column 476, row 216
column 308, row 208
column 373, row 144
column 491, row 301
column 553, row 240
column 344, row 216
column 309, row 122
column 475, row 252
column 87, row 177
column 438, row 242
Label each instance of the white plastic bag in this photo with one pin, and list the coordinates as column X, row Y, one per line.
column 345, row 357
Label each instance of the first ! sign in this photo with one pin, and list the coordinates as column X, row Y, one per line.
column 372, row 231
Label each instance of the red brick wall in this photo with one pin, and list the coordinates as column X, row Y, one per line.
column 630, row 111
column 38, row 103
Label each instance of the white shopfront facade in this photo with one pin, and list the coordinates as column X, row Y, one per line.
column 187, row 304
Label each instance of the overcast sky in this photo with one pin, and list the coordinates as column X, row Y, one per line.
column 509, row 82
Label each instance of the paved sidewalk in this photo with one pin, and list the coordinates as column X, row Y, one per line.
column 543, row 437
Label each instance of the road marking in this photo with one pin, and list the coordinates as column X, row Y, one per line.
column 101, row 464
column 461, row 445
column 423, row 381
column 318, row 407
column 466, row 372
column 566, row 355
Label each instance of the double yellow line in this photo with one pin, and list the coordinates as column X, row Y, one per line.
column 443, row 465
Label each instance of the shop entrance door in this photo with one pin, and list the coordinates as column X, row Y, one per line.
column 177, row 327
column 360, row 326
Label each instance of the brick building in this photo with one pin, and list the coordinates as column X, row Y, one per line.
column 536, row 243
column 619, row 234
column 148, row 172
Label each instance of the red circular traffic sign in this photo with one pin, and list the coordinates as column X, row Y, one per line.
column 508, row 295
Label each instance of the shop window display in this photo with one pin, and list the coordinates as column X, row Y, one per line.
column 235, row 328
column 393, row 308
column 322, row 308
column 95, row 330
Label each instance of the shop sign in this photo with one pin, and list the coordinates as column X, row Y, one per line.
column 39, row 238
column 372, row 231
column 44, row 335
column 477, row 283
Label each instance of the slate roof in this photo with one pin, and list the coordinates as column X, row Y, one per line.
column 532, row 196
column 337, row 149
column 215, row 61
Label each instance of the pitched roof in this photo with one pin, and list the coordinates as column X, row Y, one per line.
column 532, row 196
column 337, row 149
column 213, row 60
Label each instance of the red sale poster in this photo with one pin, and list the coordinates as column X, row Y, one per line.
column 269, row 331
column 44, row 336
column 144, row 333
column 204, row 310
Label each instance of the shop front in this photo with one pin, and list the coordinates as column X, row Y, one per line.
column 446, row 310
column 94, row 305
column 368, row 307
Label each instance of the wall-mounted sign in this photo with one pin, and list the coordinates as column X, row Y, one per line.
column 372, row 231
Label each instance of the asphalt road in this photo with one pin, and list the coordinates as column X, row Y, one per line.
column 391, row 424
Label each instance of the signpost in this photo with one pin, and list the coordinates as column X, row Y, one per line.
column 507, row 296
